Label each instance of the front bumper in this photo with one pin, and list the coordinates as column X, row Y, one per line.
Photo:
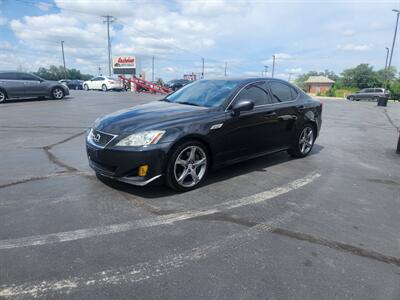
column 122, row 164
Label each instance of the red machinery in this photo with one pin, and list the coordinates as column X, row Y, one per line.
column 146, row 86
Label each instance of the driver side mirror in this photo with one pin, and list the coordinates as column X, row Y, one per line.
column 242, row 105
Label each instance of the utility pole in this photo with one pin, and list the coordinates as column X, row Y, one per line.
column 226, row 65
column 99, row 70
column 387, row 56
column 273, row 65
column 394, row 36
column 152, row 70
column 109, row 20
column 202, row 68
column 63, row 56
column 266, row 71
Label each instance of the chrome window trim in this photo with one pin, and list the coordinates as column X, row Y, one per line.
column 89, row 139
column 265, row 81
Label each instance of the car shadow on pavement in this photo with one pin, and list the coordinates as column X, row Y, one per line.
column 257, row 164
column 40, row 99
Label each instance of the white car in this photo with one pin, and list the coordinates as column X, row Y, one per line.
column 103, row 83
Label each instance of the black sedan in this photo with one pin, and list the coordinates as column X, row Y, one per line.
column 203, row 126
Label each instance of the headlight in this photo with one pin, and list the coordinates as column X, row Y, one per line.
column 142, row 139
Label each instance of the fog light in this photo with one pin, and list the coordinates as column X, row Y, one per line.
column 143, row 170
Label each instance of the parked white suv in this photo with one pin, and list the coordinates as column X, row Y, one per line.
column 103, row 83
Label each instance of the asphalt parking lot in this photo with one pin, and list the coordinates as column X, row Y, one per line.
column 322, row 227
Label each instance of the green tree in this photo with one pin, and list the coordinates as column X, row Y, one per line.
column 388, row 75
column 57, row 73
column 362, row 76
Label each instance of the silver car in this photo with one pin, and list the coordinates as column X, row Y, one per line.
column 369, row 94
column 14, row 85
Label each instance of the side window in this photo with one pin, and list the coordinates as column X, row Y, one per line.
column 96, row 79
column 8, row 76
column 24, row 76
column 282, row 92
column 255, row 92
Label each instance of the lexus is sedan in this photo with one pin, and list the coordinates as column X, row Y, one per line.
column 205, row 125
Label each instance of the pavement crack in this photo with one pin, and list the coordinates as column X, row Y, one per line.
column 43, row 177
column 371, row 254
column 52, row 158
column 227, row 218
column 64, row 140
column 385, row 112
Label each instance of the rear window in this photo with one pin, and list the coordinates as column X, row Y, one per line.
column 8, row 76
column 282, row 92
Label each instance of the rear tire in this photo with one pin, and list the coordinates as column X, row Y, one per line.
column 304, row 142
column 187, row 166
column 104, row 88
column 376, row 99
column 3, row 96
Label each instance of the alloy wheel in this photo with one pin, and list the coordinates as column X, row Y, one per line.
column 86, row 87
column 104, row 88
column 58, row 93
column 190, row 166
column 306, row 140
column 2, row 96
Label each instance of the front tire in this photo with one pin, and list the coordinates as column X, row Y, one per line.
column 187, row 166
column 304, row 142
column 3, row 96
column 57, row 93
column 86, row 87
column 351, row 98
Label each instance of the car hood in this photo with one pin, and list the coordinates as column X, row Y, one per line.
column 153, row 113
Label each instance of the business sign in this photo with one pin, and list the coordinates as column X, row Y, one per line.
column 124, row 62
column 124, row 65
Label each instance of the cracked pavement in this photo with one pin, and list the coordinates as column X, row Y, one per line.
column 323, row 227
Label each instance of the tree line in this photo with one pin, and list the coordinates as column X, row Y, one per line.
column 354, row 79
column 58, row 73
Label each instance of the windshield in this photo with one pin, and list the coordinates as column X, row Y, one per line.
column 207, row 93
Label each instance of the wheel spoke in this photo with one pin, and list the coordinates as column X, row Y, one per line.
column 195, row 178
column 199, row 162
column 183, row 176
column 192, row 153
column 181, row 162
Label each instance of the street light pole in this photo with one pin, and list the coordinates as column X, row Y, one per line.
column 152, row 70
column 394, row 36
column 273, row 65
column 63, row 56
column 202, row 68
column 226, row 65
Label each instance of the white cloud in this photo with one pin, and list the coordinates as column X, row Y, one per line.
column 44, row 6
column 354, row 47
column 294, row 70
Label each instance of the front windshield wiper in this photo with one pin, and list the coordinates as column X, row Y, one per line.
column 164, row 100
column 188, row 103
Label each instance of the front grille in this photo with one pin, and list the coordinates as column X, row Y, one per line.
column 100, row 138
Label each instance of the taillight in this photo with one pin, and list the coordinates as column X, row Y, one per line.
column 110, row 81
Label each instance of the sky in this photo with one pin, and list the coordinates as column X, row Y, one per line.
column 303, row 35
